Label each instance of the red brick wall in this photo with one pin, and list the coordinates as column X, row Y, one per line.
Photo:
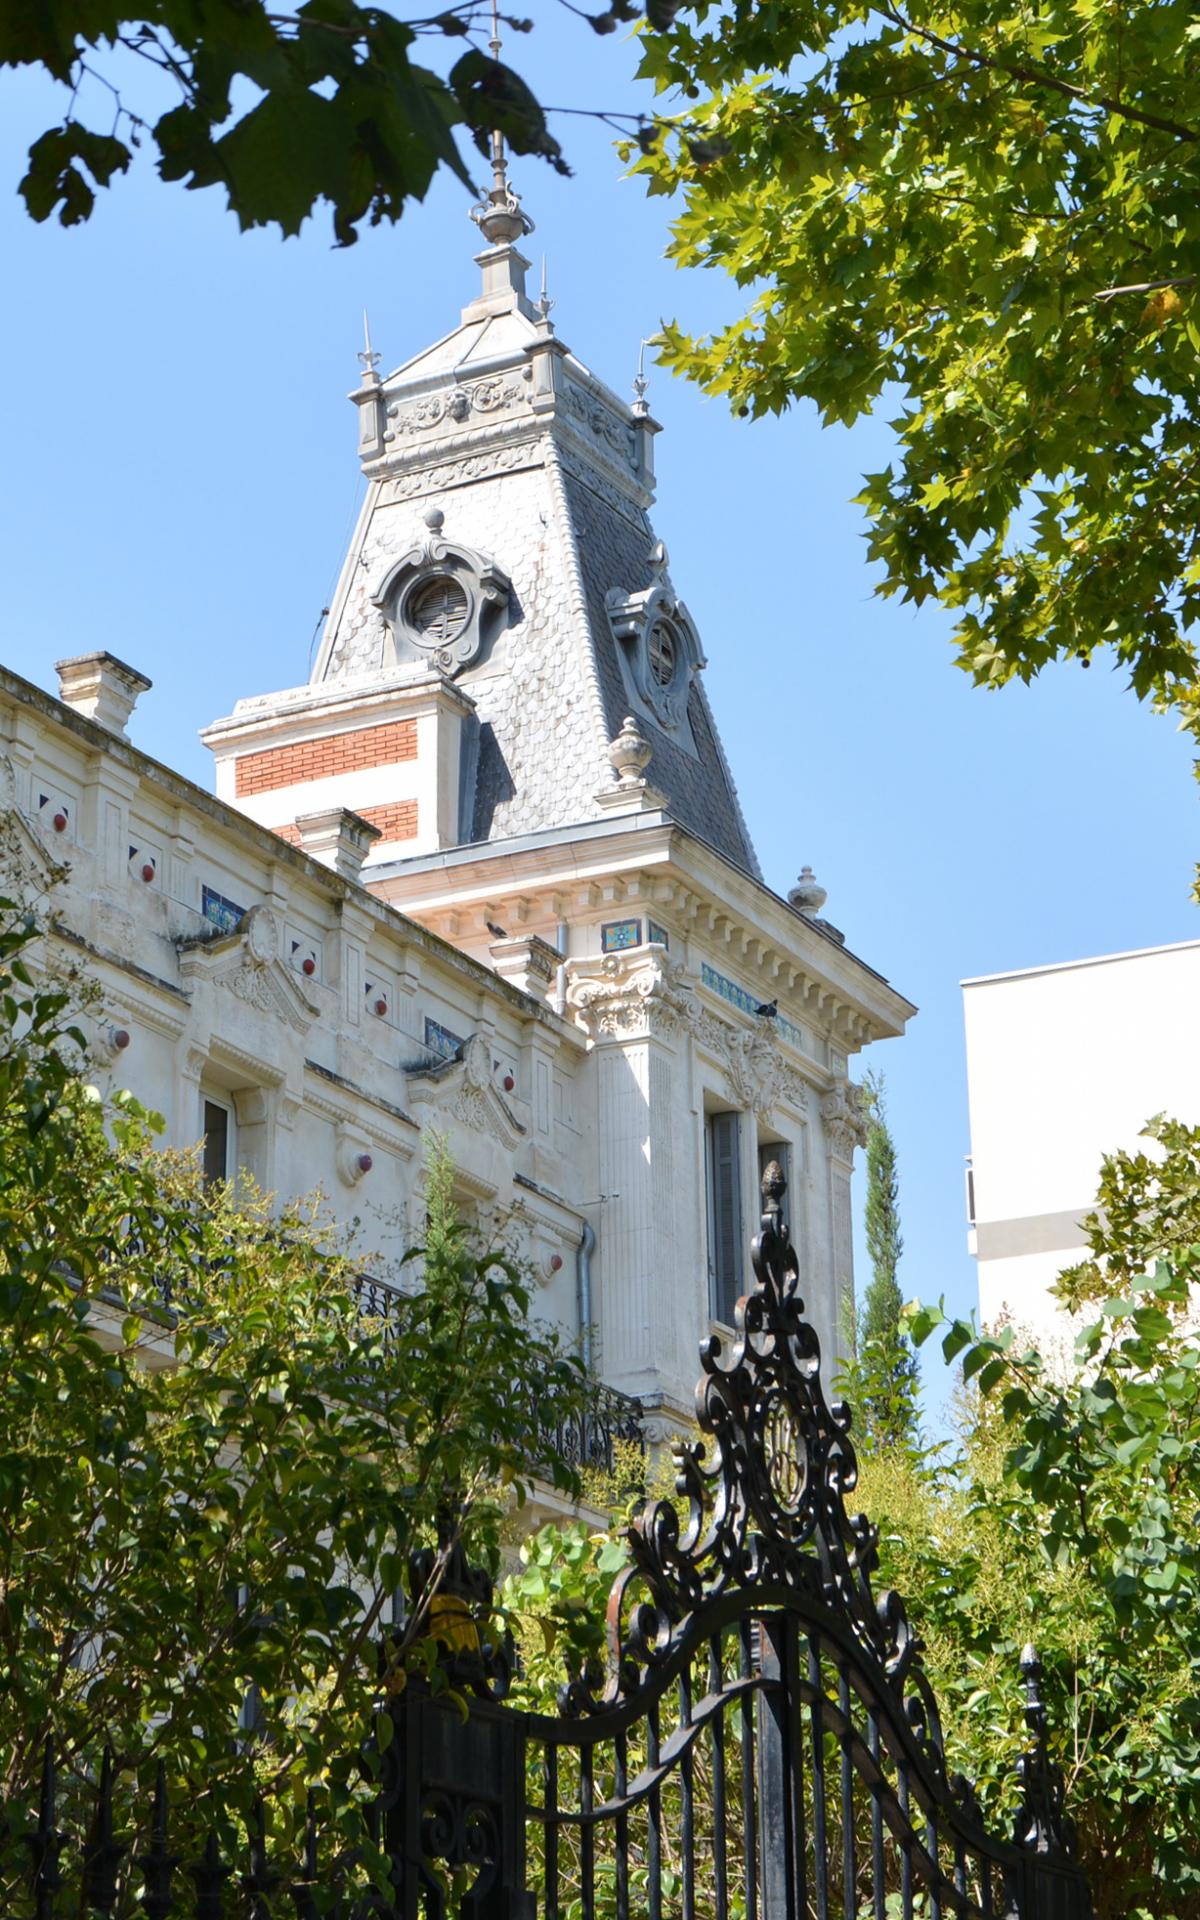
column 397, row 822
column 335, row 753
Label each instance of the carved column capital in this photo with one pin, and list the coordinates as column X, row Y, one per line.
column 631, row 996
column 845, row 1119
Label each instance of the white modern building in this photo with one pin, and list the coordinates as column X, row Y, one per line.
column 1064, row 1065
column 485, row 873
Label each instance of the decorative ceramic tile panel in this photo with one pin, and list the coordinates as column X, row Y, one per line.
column 656, row 935
column 440, row 1040
column 224, row 914
column 747, row 1002
column 619, row 935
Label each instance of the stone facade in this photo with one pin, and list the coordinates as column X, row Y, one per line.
column 485, row 875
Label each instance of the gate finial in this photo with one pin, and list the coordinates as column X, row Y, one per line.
column 1041, row 1822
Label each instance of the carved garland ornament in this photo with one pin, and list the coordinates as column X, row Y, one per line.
column 455, row 405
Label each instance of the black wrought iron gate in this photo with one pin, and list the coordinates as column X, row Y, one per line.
column 767, row 1745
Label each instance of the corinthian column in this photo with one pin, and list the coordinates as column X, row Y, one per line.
column 637, row 1009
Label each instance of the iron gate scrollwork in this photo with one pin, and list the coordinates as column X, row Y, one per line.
column 766, row 1744
column 763, row 1744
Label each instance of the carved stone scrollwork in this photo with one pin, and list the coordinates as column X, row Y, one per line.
column 454, row 405
column 451, row 635
column 247, row 963
column 766, row 1491
column 602, row 423
column 754, row 1069
column 465, row 1090
column 631, row 995
column 658, row 645
column 845, row 1120
column 625, row 996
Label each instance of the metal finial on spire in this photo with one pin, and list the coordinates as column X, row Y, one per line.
column 368, row 358
column 640, row 408
column 500, row 218
column 545, row 303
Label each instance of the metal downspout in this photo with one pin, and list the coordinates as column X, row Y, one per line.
column 583, row 1292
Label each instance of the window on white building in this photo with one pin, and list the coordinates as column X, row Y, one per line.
column 217, row 1159
column 723, row 1179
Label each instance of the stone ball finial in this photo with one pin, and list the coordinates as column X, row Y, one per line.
column 434, row 518
column 629, row 753
column 808, row 895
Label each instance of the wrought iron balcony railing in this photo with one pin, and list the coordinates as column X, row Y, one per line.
column 587, row 1439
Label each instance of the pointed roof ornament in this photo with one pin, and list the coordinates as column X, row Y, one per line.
column 640, row 408
column 368, row 358
column 545, row 304
column 500, row 217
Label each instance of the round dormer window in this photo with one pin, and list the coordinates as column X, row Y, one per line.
column 437, row 610
column 663, row 651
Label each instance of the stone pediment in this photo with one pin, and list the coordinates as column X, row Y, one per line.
column 247, row 962
column 24, row 854
column 464, row 1090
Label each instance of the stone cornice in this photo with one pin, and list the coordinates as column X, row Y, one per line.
column 650, row 861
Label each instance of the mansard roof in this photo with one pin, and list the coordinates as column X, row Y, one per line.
column 499, row 443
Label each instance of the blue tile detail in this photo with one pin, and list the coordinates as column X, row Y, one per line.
column 656, row 935
column 619, row 935
column 440, row 1040
column 224, row 914
column 747, row 1002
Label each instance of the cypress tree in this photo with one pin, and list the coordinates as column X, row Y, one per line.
column 887, row 1376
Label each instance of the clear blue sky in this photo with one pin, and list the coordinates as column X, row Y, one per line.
column 179, row 482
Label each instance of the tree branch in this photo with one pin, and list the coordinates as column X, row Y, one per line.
column 1038, row 77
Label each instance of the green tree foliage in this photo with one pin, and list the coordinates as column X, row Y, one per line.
column 988, row 214
column 1066, row 1514
column 339, row 110
column 213, row 1469
column 881, row 1378
column 1089, row 1491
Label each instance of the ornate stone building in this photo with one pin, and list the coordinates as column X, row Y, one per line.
column 484, row 873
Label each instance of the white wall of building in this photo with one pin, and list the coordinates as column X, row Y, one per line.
column 1064, row 1065
column 576, row 1100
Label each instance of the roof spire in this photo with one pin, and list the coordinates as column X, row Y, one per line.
column 640, row 409
column 368, row 358
column 500, row 217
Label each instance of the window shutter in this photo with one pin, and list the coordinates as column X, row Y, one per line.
column 725, row 1213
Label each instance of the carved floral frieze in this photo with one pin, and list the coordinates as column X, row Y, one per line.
column 601, row 422
column 460, row 473
column 454, row 406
